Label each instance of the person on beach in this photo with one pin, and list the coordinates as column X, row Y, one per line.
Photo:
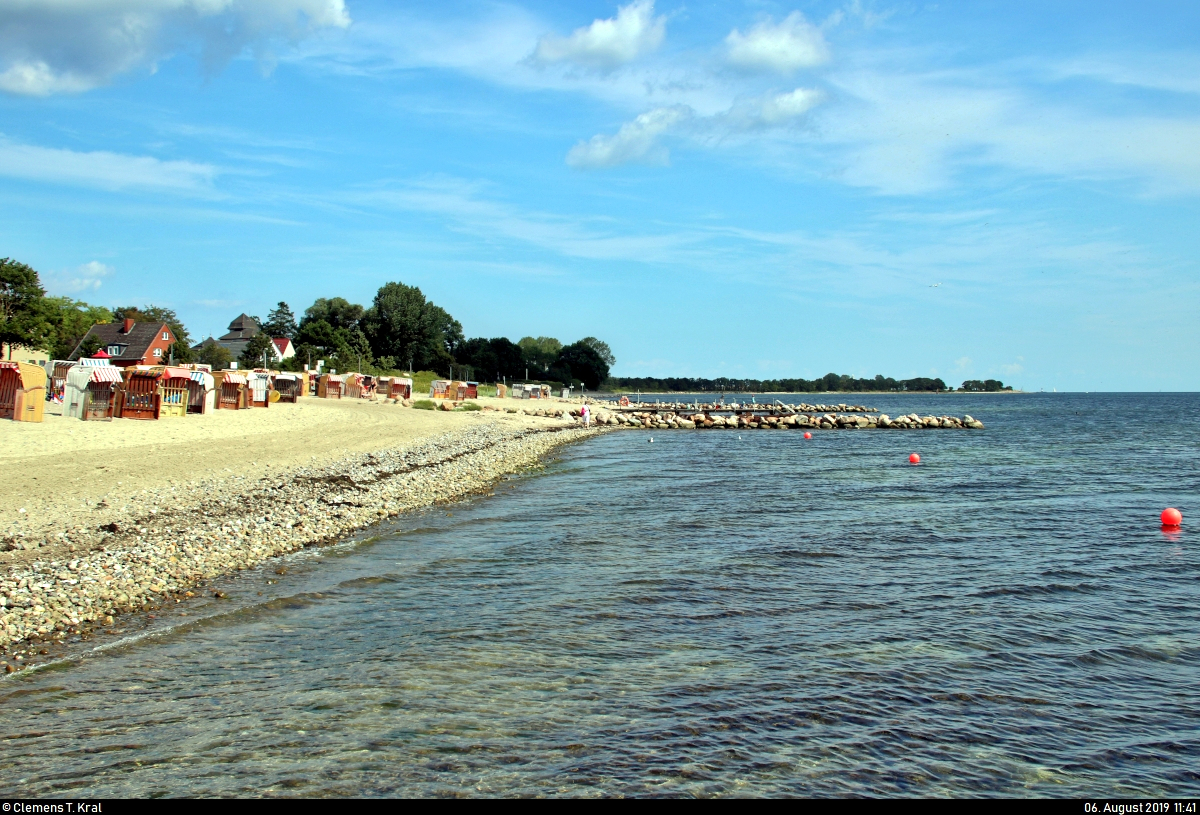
column 586, row 415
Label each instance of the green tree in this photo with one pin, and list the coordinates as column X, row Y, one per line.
column 353, row 352
column 337, row 311
column 584, row 363
column 601, row 348
column 281, row 322
column 215, row 355
column 88, row 347
column 540, row 353
column 403, row 325
column 318, row 334
column 498, row 357
column 450, row 329
column 70, row 320
column 22, row 311
column 252, row 354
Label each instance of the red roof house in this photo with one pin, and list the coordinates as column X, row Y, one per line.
column 283, row 348
column 131, row 343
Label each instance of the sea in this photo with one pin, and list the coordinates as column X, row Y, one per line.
column 689, row 613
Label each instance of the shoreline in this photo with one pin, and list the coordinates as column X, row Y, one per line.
column 618, row 394
column 220, row 525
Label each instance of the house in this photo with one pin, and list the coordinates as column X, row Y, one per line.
column 131, row 343
column 241, row 330
column 283, row 348
column 21, row 353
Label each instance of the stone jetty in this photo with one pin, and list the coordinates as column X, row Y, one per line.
column 767, row 419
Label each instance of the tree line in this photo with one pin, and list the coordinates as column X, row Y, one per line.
column 400, row 330
column 841, row 383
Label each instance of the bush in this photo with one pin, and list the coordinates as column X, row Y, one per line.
column 469, row 406
column 424, row 404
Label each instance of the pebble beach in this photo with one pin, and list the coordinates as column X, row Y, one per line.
column 265, row 483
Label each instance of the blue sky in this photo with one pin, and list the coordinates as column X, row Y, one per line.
column 717, row 189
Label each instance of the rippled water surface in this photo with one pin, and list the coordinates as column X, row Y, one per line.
column 714, row 613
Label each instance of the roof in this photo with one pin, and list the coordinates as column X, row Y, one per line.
column 81, row 375
column 137, row 342
column 243, row 327
column 282, row 344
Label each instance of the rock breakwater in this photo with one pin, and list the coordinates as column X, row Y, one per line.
column 697, row 406
column 774, row 420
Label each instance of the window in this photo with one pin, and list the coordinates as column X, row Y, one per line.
column 115, row 350
column 167, row 335
column 158, row 352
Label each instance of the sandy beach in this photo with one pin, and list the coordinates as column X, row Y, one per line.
column 110, row 517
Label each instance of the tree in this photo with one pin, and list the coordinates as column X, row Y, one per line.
column 88, row 347
column 353, row 351
column 22, row 314
column 318, row 334
column 281, row 322
column 450, row 329
column 498, row 357
column 218, row 356
column 69, row 321
column 540, row 353
column 259, row 344
column 337, row 311
column 583, row 363
column 601, row 348
column 403, row 325
column 986, row 386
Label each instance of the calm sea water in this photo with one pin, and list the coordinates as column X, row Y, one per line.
column 713, row 613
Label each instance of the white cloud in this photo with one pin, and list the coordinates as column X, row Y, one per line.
column 635, row 143
column 101, row 169
column 70, row 46
column 792, row 44
column 85, row 278
column 774, row 110
column 608, row 44
column 907, row 133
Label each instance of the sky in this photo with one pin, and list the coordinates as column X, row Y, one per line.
column 759, row 189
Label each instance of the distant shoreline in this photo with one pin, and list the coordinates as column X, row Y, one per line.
column 824, row 393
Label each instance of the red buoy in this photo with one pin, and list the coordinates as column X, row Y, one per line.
column 1171, row 517
column 807, row 435
column 913, row 458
